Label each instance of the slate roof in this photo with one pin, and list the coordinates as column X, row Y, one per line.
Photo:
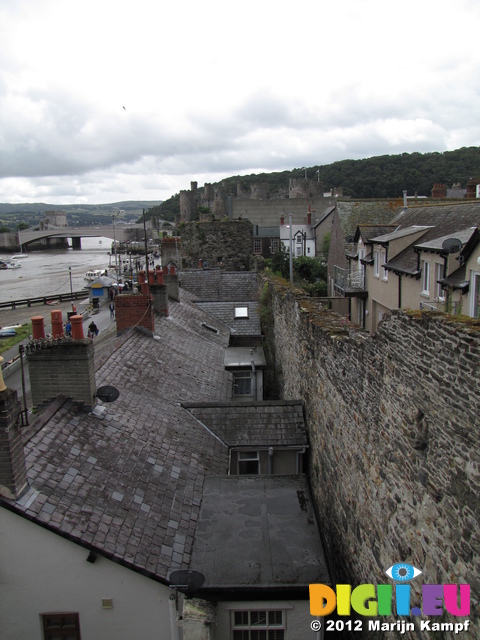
column 214, row 285
column 225, row 312
column 436, row 244
column 307, row 229
column 399, row 233
column 263, row 536
column 126, row 480
column 278, row 423
column 443, row 220
column 324, row 215
column 266, row 232
column 369, row 231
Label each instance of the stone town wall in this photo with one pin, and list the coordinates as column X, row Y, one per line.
column 393, row 422
column 224, row 244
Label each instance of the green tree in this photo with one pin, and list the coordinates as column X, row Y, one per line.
column 309, row 269
column 280, row 262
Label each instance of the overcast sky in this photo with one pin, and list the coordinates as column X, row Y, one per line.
column 110, row 100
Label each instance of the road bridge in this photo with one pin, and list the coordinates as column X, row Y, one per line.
column 122, row 232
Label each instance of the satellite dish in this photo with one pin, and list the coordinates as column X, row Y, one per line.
column 107, row 394
column 349, row 239
column 452, row 245
column 187, row 581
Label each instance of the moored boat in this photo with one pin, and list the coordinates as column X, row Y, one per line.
column 6, row 264
column 94, row 274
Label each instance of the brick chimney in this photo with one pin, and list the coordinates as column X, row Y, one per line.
column 13, row 472
column 439, row 191
column 134, row 311
column 63, row 367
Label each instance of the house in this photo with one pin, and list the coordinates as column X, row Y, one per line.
column 413, row 265
column 101, row 507
column 263, row 437
column 266, row 240
column 231, row 297
column 349, row 281
column 247, row 365
column 301, row 237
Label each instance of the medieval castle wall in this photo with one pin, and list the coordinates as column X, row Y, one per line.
column 394, row 434
column 253, row 202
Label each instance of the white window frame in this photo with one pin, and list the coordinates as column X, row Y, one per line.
column 274, row 245
column 247, row 457
column 241, row 311
column 246, row 624
column 242, row 375
column 425, row 278
column 439, row 290
column 475, row 291
column 376, row 264
column 384, row 271
column 257, row 246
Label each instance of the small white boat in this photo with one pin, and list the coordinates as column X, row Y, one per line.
column 6, row 264
column 94, row 274
column 19, row 256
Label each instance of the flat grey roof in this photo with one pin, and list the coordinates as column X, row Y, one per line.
column 258, row 532
column 243, row 357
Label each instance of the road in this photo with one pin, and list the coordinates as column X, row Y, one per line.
column 12, row 374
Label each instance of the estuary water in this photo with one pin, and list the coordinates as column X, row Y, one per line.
column 47, row 272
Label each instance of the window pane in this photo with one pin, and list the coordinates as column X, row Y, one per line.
column 242, row 384
column 241, row 618
column 258, row 635
column 258, row 618
column 275, row 618
column 249, row 467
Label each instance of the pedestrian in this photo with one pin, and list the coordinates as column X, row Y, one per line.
column 112, row 310
column 68, row 329
column 92, row 330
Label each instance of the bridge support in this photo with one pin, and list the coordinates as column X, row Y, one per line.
column 76, row 243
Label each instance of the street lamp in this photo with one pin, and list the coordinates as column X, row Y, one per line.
column 71, row 290
column 115, row 246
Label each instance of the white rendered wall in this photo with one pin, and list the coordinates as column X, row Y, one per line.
column 40, row 572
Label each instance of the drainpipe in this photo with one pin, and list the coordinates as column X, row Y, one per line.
column 270, row 461
column 254, row 377
column 399, row 290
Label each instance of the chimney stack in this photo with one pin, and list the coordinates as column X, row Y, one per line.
column 13, row 472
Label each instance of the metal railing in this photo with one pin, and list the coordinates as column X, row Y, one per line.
column 345, row 280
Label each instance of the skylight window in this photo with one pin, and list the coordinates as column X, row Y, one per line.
column 241, row 312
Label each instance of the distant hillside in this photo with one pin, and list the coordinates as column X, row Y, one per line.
column 377, row 177
column 30, row 214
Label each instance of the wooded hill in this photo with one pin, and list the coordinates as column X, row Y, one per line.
column 377, row 177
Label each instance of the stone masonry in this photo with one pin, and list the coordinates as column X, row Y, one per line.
column 393, row 422
column 221, row 243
